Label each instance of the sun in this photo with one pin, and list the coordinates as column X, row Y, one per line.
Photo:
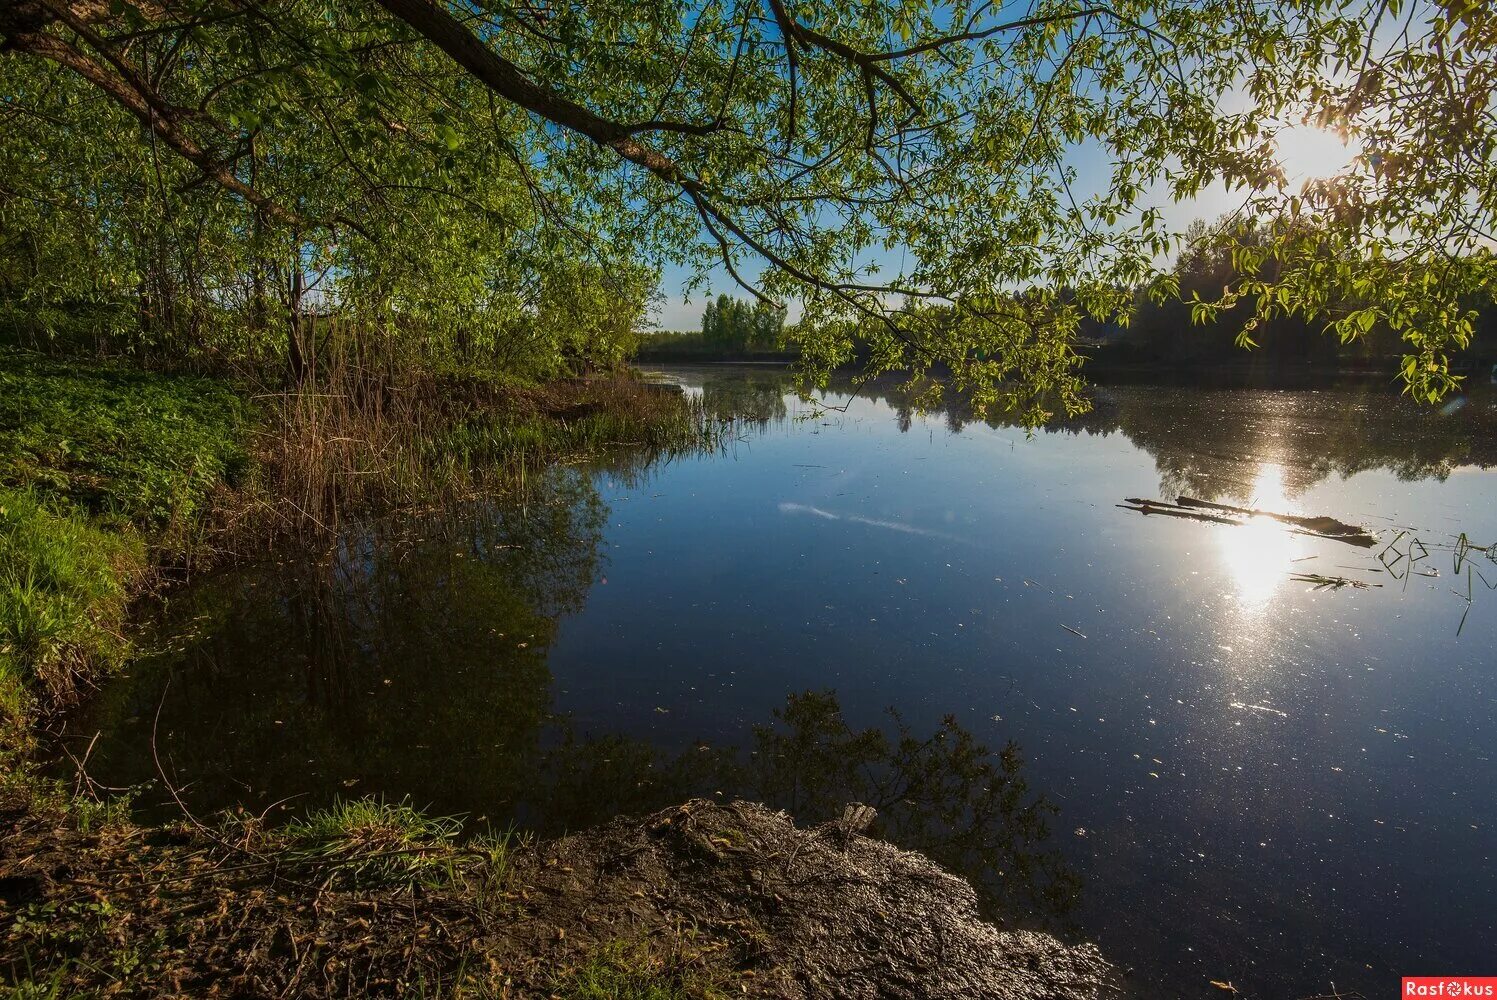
column 1308, row 152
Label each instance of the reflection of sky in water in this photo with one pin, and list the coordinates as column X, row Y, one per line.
column 1260, row 782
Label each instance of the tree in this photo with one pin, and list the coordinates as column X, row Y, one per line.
column 804, row 137
column 734, row 325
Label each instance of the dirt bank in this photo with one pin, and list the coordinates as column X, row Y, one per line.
column 700, row 900
column 812, row 913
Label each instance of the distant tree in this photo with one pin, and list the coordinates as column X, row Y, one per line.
column 712, row 324
column 735, row 325
column 768, row 326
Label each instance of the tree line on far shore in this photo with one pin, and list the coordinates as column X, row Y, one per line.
column 1191, row 329
column 1205, row 316
column 730, row 328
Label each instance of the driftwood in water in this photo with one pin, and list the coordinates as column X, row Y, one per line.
column 1322, row 582
column 1328, row 526
column 1221, row 513
column 1171, row 510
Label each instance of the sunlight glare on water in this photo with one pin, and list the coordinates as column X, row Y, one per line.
column 1259, row 555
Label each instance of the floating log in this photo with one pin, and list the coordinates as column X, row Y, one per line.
column 1327, row 526
column 1322, row 582
column 1171, row 510
column 1221, row 513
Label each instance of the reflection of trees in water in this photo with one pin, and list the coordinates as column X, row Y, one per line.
column 946, row 794
column 1213, row 443
column 752, row 398
column 412, row 642
column 412, row 663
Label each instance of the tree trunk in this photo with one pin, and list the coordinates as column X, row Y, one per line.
column 296, row 359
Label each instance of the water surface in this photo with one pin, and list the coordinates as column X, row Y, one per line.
column 1244, row 778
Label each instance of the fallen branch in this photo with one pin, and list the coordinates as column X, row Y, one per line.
column 1323, row 582
column 1220, row 513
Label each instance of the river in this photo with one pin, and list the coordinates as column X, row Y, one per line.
column 1226, row 760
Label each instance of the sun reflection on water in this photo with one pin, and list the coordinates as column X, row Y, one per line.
column 1259, row 555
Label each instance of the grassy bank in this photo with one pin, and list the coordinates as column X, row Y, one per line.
column 64, row 584
column 103, row 469
column 110, row 474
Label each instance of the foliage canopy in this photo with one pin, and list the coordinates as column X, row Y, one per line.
column 509, row 175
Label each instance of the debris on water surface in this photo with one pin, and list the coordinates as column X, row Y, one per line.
column 1260, row 708
column 1322, row 582
column 1221, row 513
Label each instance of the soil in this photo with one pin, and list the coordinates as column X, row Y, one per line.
column 708, row 899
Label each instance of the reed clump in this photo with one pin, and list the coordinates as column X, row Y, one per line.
column 362, row 440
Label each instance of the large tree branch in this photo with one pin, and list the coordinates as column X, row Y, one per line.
column 793, row 31
column 128, row 88
column 505, row 79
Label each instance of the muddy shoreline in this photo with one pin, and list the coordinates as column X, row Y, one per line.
column 701, row 899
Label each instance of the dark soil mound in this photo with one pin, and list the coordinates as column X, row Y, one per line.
column 813, row 913
column 702, row 900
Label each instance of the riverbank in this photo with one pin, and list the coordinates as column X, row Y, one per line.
column 114, row 480
column 698, row 901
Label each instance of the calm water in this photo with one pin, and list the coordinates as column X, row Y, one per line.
column 1252, row 780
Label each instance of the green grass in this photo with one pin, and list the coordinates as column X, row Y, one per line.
column 95, row 459
column 64, row 584
column 637, row 971
column 370, row 842
column 51, row 986
column 122, row 444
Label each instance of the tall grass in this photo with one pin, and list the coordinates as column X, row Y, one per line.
column 362, row 439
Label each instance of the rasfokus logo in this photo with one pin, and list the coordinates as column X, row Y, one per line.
column 1450, row 986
